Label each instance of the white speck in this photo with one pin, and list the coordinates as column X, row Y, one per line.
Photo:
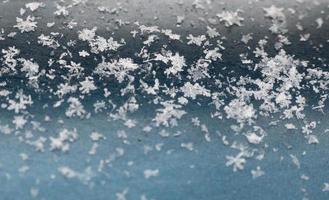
column 148, row 173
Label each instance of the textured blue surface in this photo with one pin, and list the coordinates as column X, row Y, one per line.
column 183, row 174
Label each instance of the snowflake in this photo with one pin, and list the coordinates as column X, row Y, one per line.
column 121, row 195
column 274, row 13
column 319, row 21
column 21, row 104
column 62, row 142
column 65, row 88
column 246, row 38
column 236, row 162
column 177, row 62
column 278, row 19
column 189, row 146
column 171, row 35
column 100, row 44
column 26, row 25
column 199, row 70
column 119, row 68
column 31, row 68
column 212, row 32
column 257, row 172
column 230, row 18
column 192, row 91
column 75, row 108
column 99, row 106
column 198, row 40
column 213, row 54
column 169, row 114
column 84, row 176
column 61, row 10
column 83, row 53
column 87, row 34
column 95, row 136
column 325, row 187
column 49, row 41
column 19, row 121
column 9, row 55
column 148, row 173
column 240, row 111
column 74, row 68
column 87, row 85
column 33, row 6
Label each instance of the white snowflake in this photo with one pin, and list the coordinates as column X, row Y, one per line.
column 237, row 162
column 148, row 173
column 169, row 114
column 19, row 121
column 240, row 111
column 230, row 18
column 33, row 6
column 192, row 91
column 197, row 40
column 75, row 108
column 62, row 142
column 26, row 25
column 87, row 34
column 119, row 68
column 177, row 62
column 274, row 12
column 87, row 85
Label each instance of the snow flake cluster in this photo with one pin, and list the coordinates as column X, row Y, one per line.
column 84, row 71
